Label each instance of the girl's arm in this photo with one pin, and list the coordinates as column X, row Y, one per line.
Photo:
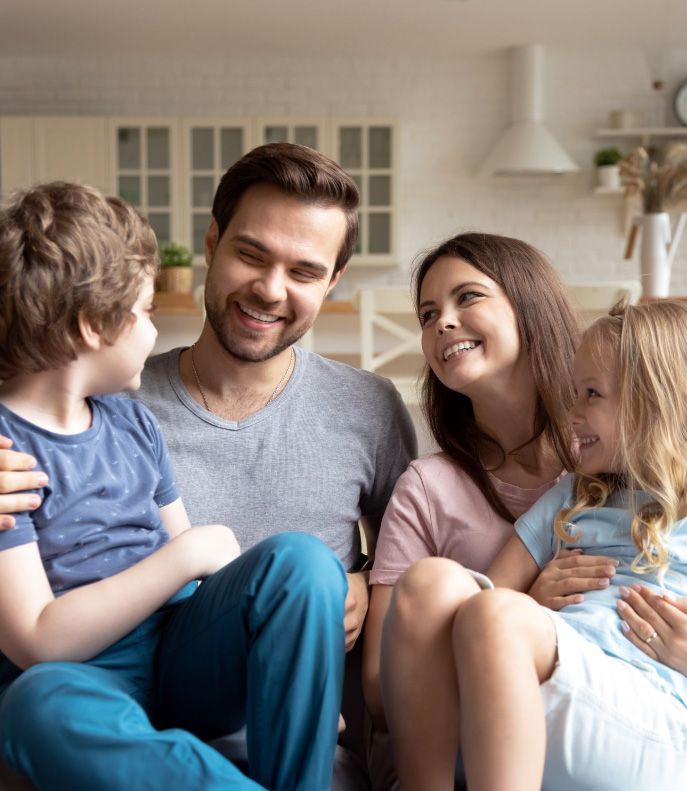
column 514, row 567
column 37, row 627
column 380, row 599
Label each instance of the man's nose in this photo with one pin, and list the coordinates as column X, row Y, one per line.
column 271, row 285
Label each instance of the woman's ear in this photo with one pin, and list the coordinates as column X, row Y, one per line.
column 91, row 339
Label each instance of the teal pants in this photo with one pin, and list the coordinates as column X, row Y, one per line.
column 259, row 643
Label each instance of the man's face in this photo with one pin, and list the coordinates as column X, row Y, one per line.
column 270, row 271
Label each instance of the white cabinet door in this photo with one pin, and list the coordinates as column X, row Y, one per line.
column 73, row 149
column 42, row 148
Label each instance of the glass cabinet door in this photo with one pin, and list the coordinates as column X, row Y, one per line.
column 144, row 167
column 366, row 152
column 212, row 148
column 305, row 133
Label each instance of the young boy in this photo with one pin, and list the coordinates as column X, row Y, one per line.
column 113, row 666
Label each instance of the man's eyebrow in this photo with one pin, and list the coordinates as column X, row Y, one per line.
column 317, row 267
column 456, row 290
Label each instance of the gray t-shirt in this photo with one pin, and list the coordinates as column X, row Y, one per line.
column 324, row 453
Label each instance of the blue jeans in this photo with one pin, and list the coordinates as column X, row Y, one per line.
column 260, row 643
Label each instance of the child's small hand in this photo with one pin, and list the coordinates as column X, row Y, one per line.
column 209, row 548
column 656, row 624
column 569, row 575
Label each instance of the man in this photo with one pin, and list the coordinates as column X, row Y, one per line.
column 264, row 436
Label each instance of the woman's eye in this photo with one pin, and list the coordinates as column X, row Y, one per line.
column 591, row 393
column 425, row 316
column 468, row 296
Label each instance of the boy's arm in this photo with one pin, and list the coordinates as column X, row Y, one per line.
column 513, row 567
column 37, row 627
column 174, row 518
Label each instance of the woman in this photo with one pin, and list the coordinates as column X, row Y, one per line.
column 499, row 337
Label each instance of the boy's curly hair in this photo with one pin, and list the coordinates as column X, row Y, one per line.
column 66, row 252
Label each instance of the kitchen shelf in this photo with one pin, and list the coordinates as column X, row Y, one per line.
column 609, row 191
column 643, row 133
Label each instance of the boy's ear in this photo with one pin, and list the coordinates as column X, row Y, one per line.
column 89, row 337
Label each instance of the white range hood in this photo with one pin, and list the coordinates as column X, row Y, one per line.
column 527, row 147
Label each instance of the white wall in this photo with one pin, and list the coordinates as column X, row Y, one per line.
column 450, row 111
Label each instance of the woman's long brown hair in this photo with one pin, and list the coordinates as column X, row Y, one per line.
column 548, row 333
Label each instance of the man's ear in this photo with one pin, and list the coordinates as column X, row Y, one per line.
column 335, row 278
column 211, row 239
column 91, row 339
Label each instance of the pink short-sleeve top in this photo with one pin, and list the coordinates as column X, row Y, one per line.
column 436, row 510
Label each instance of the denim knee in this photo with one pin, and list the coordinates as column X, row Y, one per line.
column 309, row 560
column 29, row 709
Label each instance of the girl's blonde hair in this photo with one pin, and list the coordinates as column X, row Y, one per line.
column 647, row 345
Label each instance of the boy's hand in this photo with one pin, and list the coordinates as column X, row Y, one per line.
column 208, row 548
column 17, row 475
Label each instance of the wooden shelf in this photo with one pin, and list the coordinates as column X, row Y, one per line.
column 168, row 304
column 643, row 133
column 338, row 306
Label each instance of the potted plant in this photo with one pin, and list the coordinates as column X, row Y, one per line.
column 176, row 273
column 607, row 168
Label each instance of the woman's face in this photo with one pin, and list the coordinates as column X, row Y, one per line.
column 469, row 331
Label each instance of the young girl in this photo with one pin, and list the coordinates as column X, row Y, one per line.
column 114, row 668
column 564, row 700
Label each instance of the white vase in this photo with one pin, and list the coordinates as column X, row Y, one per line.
column 654, row 254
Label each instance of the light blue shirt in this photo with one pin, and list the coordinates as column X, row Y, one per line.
column 606, row 531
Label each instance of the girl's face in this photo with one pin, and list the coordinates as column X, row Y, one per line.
column 594, row 415
column 469, row 331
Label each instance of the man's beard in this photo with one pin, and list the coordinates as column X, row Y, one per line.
column 235, row 347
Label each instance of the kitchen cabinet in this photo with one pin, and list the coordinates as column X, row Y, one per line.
column 169, row 168
column 43, row 148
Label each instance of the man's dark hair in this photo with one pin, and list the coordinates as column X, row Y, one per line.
column 296, row 170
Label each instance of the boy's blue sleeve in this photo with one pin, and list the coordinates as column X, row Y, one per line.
column 166, row 491
column 535, row 527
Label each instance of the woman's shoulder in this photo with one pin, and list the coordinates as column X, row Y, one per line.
column 437, row 469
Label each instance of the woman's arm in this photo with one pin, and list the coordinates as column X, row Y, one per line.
column 513, row 567
column 380, row 599
column 37, row 627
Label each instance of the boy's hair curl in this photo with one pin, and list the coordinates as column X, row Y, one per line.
column 66, row 252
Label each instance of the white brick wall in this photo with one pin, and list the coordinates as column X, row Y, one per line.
column 450, row 111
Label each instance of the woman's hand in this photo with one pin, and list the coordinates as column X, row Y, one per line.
column 566, row 578
column 656, row 623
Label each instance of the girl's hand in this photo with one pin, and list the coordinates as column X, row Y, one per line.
column 208, row 548
column 656, row 624
column 569, row 575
